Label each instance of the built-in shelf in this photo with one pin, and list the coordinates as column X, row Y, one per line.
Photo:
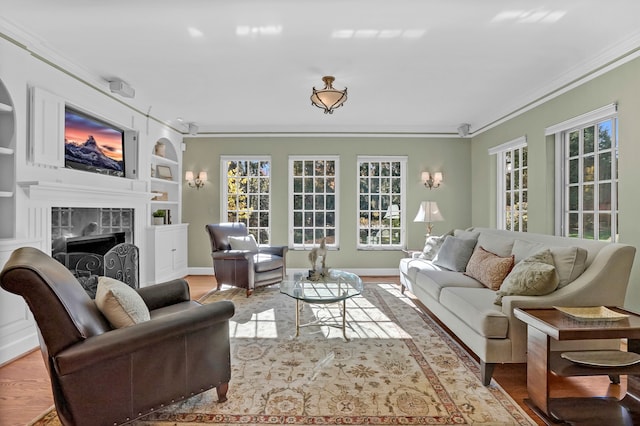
column 164, row 202
column 6, row 151
column 163, row 160
column 5, row 107
column 6, row 194
column 167, row 181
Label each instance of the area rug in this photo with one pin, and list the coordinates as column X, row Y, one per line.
column 399, row 367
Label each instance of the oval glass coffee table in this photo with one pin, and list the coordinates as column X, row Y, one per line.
column 337, row 287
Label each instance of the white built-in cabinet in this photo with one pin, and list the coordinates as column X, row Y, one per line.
column 165, row 179
column 7, row 164
column 169, row 246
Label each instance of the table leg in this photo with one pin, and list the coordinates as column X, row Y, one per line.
column 538, row 368
column 298, row 317
column 344, row 320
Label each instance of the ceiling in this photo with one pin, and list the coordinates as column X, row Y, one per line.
column 248, row 66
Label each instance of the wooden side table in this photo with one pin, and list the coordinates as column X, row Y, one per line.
column 543, row 325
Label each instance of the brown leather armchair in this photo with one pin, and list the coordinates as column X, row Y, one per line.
column 242, row 268
column 101, row 376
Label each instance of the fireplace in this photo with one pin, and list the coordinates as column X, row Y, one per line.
column 90, row 230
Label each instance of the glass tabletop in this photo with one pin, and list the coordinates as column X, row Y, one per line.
column 337, row 286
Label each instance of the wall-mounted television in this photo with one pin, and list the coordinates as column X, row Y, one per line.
column 92, row 145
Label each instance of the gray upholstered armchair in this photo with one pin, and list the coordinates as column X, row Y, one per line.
column 244, row 268
column 105, row 376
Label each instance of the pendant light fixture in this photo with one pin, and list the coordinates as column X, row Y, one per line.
column 328, row 98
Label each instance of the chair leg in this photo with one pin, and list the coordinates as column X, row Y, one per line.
column 222, row 392
column 249, row 292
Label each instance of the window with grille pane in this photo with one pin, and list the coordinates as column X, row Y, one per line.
column 381, row 201
column 313, row 201
column 246, row 194
column 512, row 185
column 590, row 203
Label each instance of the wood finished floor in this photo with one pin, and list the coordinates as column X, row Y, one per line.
column 25, row 390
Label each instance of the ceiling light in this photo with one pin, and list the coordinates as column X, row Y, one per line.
column 529, row 16
column 328, row 98
column 246, row 30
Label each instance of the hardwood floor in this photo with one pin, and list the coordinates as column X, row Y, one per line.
column 25, row 390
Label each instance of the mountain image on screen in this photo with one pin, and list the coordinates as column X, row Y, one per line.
column 91, row 156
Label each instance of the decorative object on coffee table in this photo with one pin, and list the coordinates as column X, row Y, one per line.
column 316, row 253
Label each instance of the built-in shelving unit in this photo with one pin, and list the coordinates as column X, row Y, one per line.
column 7, row 164
column 165, row 179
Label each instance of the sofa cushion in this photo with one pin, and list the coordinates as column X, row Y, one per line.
column 474, row 306
column 267, row 262
column 455, row 253
column 411, row 266
column 523, row 249
column 570, row 263
column 534, row 276
column 489, row 268
column 245, row 242
column 120, row 304
column 496, row 244
column 434, row 281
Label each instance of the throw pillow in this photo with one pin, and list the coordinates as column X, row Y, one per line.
column 489, row 268
column 534, row 276
column 433, row 245
column 523, row 249
column 120, row 304
column 455, row 253
column 570, row 263
column 247, row 242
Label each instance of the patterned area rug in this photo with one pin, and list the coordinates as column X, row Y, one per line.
column 399, row 367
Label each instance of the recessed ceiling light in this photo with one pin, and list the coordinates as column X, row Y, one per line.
column 413, row 33
column 366, row 33
column 194, row 32
column 373, row 33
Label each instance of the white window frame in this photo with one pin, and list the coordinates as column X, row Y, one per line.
column 224, row 159
column 560, row 132
column 302, row 246
column 403, row 196
column 500, row 152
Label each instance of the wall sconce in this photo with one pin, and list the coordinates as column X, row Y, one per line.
column 431, row 180
column 195, row 182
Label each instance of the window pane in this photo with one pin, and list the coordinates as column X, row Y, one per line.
column 574, row 144
column 604, row 166
column 604, row 227
column 588, row 174
column 574, row 225
column 574, row 171
column 573, row 198
column 587, row 197
column 604, row 135
column 588, row 140
column 604, row 196
column 587, row 226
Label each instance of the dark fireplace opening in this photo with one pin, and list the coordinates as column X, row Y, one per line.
column 89, row 230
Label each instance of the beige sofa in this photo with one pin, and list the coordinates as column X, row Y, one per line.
column 491, row 331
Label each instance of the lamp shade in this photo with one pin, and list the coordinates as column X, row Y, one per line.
column 188, row 175
column 428, row 212
column 202, row 176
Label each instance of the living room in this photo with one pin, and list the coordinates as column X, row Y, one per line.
column 468, row 195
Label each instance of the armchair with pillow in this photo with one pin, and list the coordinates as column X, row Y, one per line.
column 128, row 353
column 238, row 261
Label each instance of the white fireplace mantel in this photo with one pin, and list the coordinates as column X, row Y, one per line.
column 69, row 195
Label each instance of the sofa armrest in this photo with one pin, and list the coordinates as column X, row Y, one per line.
column 165, row 294
column 604, row 282
column 99, row 350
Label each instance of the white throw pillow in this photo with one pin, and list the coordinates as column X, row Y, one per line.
column 247, row 242
column 432, row 246
column 570, row 263
column 120, row 304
